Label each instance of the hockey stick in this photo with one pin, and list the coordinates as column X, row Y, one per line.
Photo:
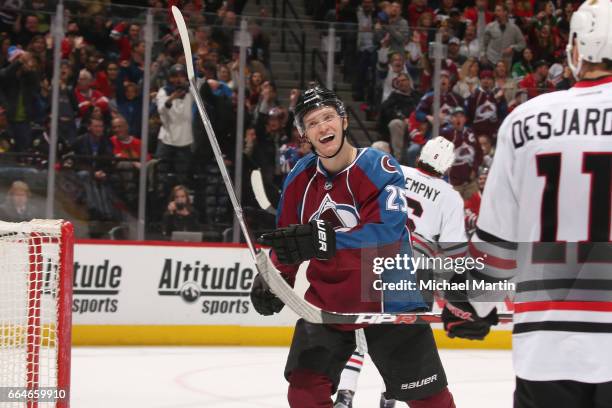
column 270, row 274
column 260, row 192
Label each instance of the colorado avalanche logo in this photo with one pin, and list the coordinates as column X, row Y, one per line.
column 486, row 111
column 341, row 216
column 385, row 163
column 464, row 154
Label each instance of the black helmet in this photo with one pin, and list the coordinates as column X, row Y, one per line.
column 316, row 97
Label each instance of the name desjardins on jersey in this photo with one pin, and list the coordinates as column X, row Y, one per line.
column 442, row 285
column 574, row 122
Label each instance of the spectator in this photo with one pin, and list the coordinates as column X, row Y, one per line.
column 472, row 204
column 504, row 82
column 486, row 107
column 448, row 101
column 254, row 89
column 174, row 104
column 129, row 105
column 543, row 44
column 394, row 113
column 292, row 151
column 397, row 27
column 365, row 79
column 270, row 136
column 18, row 207
column 125, row 146
column 20, row 87
column 93, row 170
column 567, row 80
column 125, row 36
column 444, row 11
column 180, row 214
column 134, row 67
column 479, row 16
column 26, row 28
column 87, row 97
column 224, row 76
column 223, row 34
column 487, row 150
column 68, row 106
column 42, row 55
column 259, row 51
column 396, row 66
column 108, row 81
column 519, row 98
column 456, row 24
column 546, row 16
column 468, row 78
column 468, row 154
column 426, row 29
column 524, row 65
column 218, row 99
column 537, row 82
column 416, row 133
column 502, row 38
column 453, row 51
column 268, row 99
column 415, row 9
column 470, row 46
column 524, row 8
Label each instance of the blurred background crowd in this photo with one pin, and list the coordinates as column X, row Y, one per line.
column 498, row 54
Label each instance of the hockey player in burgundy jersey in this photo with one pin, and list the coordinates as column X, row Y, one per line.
column 337, row 206
column 545, row 223
column 436, row 223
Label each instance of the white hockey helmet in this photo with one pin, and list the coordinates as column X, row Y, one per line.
column 591, row 27
column 439, row 153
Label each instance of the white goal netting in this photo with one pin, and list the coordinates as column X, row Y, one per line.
column 34, row 322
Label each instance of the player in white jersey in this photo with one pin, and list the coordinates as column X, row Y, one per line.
column 545, row 222
column 437, row 229
column 436, row 218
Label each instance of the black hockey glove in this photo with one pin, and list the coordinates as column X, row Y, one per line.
column 264, row 301
column 459, row 317
column 300, row 242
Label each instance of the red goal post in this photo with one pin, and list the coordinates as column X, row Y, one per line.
column 36, row 260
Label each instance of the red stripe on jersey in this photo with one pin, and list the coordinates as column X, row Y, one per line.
column 424, row 244
column 491, row 260
column 595, row 82
column 561, row 305
column 355, row 361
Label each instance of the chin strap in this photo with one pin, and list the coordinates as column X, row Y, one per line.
column 344, row 135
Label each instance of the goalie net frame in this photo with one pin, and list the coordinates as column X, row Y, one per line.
column 39, row 232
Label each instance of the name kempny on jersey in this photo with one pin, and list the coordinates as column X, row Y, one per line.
column 422, row 189
column 578, row 121
column 192, row 280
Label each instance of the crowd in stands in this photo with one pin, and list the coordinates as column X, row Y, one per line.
column 498, row 55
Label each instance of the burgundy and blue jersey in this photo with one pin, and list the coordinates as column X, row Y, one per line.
column 366, row 205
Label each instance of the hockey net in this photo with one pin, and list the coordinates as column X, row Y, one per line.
column 35, row 313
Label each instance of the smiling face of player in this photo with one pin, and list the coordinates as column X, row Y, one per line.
column 324, row 129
